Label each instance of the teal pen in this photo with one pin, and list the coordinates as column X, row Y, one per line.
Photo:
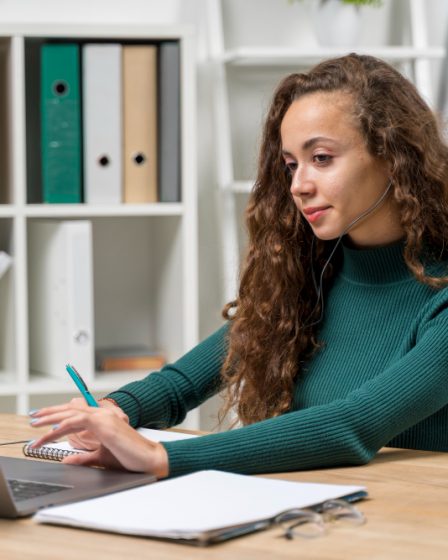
column 80, row 383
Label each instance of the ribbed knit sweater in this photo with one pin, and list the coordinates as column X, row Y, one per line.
column 381, row 378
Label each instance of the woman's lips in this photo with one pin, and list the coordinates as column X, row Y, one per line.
column 313, row 213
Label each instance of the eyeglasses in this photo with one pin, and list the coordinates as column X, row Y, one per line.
column 310, row 524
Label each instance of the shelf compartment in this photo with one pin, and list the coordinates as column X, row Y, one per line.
column 7, row 298
column 137, row 289
column 102, row 384
column 8, row 405
column 32, row 63
column 8, row 383
column 107, row 381
column 250, row 90
column 5, row 111
column 50, row 398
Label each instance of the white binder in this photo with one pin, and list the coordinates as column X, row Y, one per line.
column 61, row 297
column 102, row 119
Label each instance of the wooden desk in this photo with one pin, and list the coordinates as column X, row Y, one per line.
column 407, row 518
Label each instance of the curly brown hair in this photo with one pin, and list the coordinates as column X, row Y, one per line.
column 271, row 335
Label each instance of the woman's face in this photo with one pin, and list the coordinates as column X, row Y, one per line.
column 334, row 179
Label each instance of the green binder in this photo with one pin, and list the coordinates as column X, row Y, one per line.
column 61, row 123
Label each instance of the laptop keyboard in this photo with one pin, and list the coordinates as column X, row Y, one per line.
column 27, row 489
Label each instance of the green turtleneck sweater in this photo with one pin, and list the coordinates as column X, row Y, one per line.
column 381, row 378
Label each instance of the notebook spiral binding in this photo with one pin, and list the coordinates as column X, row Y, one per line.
column 48, row 453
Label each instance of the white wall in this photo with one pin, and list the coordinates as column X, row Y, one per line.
column 92, row 11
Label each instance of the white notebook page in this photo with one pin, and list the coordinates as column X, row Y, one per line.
column 187, row 506
column 155, row 435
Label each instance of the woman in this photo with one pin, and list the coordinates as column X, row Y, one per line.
column 338, row 341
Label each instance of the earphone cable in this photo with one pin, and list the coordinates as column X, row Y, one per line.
column 319, row 290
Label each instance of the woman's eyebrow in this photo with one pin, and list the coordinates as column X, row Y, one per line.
column 311, row 141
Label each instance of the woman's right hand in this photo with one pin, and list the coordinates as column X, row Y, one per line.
column 121, row 447
column 86, row 439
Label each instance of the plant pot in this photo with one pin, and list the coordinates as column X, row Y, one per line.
column 336, row 24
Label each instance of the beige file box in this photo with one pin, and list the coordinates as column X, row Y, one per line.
column 140, row 123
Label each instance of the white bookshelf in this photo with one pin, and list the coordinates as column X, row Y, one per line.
column 145, row 255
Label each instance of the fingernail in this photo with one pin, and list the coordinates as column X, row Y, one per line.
column 55, row 426
column 33, row 411
column 34, row 420
column 31, row 442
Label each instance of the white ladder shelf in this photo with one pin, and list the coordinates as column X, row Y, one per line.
column 418, row 55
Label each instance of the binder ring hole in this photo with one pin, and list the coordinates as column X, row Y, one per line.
column 104, row 161
column 139, row 158
column 81, row 337
column 60, row 88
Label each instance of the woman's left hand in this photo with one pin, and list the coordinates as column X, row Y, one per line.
column 121, row 447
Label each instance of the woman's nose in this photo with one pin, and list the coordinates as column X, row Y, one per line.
column 301, row 184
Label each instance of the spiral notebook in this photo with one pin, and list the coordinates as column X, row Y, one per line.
column 56, row 451
column 51, row 451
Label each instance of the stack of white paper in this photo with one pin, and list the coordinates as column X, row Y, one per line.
column 198, row 507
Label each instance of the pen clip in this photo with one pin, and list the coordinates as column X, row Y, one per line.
column 78, row 375
column 80, row 383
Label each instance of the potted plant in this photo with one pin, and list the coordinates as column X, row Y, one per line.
column 337, row 22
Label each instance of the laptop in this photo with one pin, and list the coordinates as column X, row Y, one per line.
column 27, row 485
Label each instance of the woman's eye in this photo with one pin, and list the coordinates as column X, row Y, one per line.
column 290, row 167
column 322, row 159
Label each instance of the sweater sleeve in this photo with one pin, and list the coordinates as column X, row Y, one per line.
column 345, row 431
column 162, row 399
